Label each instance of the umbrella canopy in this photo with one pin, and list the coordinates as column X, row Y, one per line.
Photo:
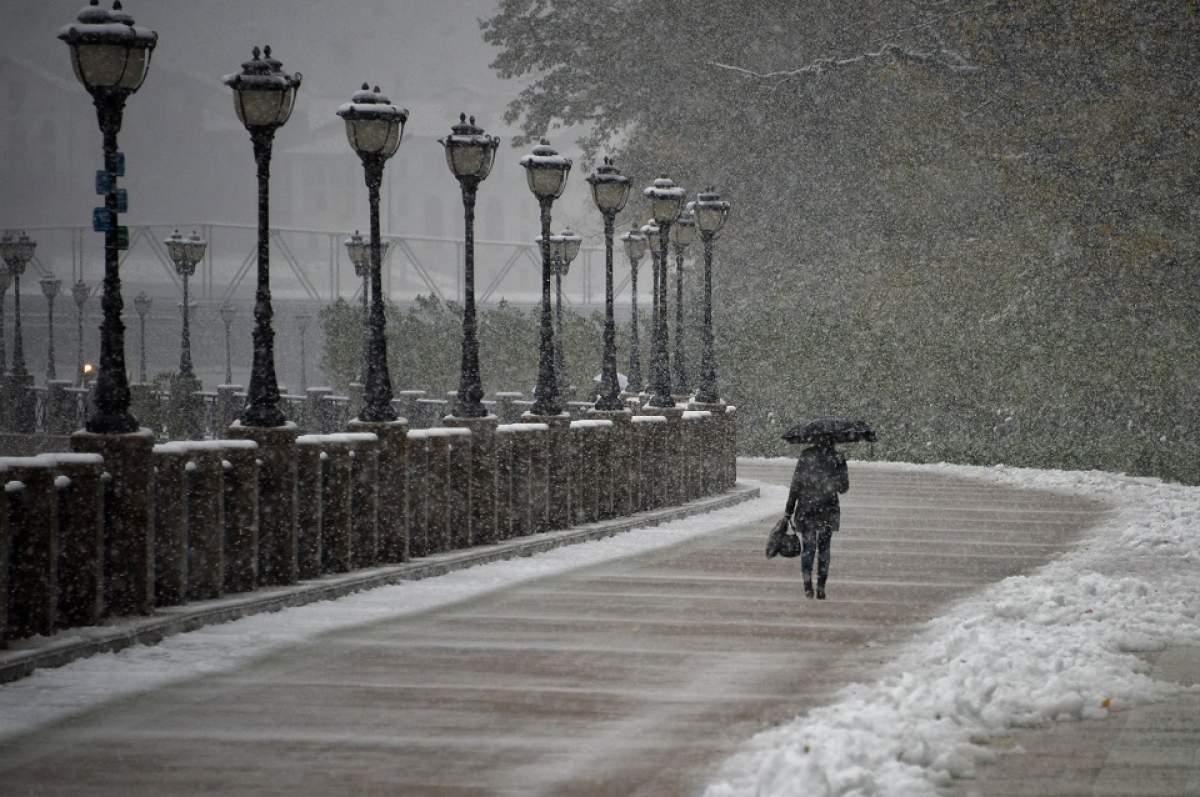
column 622, row 380
column 830, row 429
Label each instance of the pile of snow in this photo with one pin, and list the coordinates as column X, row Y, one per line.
column 1057, row 645
column 52, row 694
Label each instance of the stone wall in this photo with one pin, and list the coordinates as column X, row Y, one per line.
column 124, row 526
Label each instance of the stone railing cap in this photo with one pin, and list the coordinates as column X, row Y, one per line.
column 27, row 462
column 591, row 423
column 64, row 458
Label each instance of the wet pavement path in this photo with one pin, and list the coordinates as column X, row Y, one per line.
column 638, row 676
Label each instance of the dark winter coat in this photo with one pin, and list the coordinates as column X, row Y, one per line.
column 819, row 476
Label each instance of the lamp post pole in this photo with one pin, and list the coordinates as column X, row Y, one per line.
column 263, row 97
column 17, row 252
column 356, row 247
column 50, row 286
column 186, row 419
column 546, row 172
column 666, row 202
column 470, row 154
column 683, row 232
column 302, row 321
column 635, row 248
column 5, row 281
column 227, row 314
column 710, row 213
column 374, row 128
column 610, row 191
column 80, row 292
column 564, row 247
column 141, row 303
column 185, row 253
column 652, row 232
column 99, row 40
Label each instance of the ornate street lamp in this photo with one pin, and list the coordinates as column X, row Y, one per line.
column 50, row 286
column 651, row 232
column 185, row 253
column 470, row 154
column 360, row 257
column 227, row 315
column 683, row 233
column 710, row 211
column 17, row 252
column 374, row 128
column 80, row 292
column 610, row 191
column 110, row 56
column 302, row 321
column 141, row 303
column 263, row 97
column 635, row 249
column 546, row 172
column 666, row 202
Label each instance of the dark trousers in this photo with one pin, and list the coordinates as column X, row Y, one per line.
column 816, row 533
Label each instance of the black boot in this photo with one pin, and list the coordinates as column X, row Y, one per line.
column 820, row 589
column 808, row 589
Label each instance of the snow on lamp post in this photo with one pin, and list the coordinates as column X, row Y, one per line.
column 17, row 252
column 50, row 287
column 635, row 249
column 666, row 203
column 683, row 233
column 710, row 212
column 185, row 253
column 227, row 314
column 110, row 56
column 610, row 191
column 546, row 172
column 80, row 292
column 141, row 303
column 374, row 127
column 470, row 154
column 263, row 97
column 651, row 232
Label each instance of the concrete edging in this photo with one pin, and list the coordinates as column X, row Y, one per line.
column 25, row 656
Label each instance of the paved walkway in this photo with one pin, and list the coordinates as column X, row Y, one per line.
column 635, row 677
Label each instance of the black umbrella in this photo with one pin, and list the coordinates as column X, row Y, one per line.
column 830, row 430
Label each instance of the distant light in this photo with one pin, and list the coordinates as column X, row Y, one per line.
column 88, row 368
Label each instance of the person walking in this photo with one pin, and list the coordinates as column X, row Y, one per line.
column 813, row 506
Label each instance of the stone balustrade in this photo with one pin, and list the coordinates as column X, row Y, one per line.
column 127, row 526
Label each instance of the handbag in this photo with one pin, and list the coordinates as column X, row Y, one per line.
column 783, row 540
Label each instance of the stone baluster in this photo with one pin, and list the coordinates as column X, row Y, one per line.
column 418, row 478
column 170, row 523
column 33, row 546
column 81, row 539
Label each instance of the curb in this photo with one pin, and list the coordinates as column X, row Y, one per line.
column 26, row 655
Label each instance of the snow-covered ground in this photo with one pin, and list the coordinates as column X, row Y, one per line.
column 1057, row 645
column 52, row 694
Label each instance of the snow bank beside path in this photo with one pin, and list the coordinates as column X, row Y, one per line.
column 52, row 694
column 1057, row 645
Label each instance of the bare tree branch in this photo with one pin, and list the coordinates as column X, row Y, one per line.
column 942, row 57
